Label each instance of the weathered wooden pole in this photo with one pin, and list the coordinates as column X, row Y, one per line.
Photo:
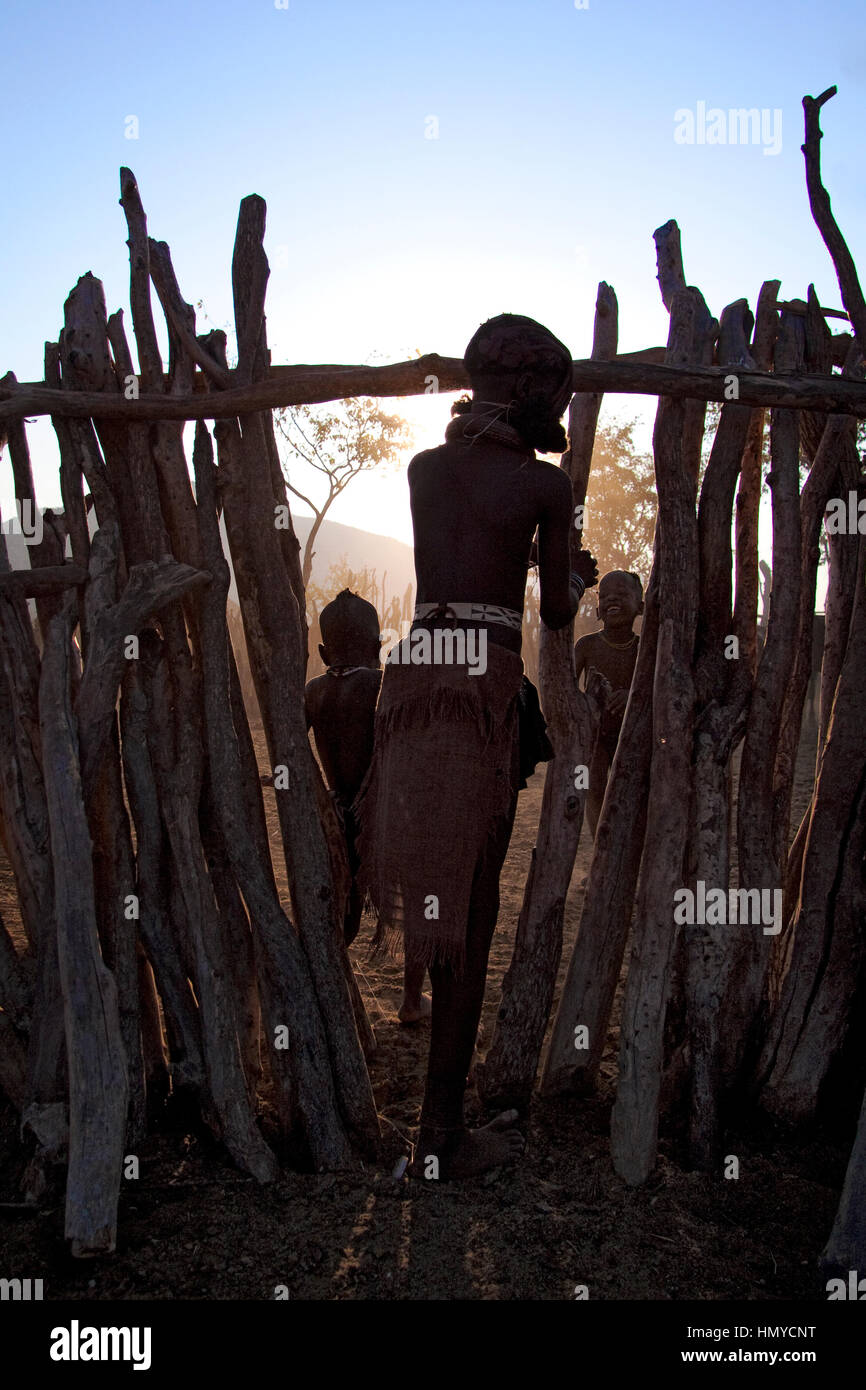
column 725, row 654
column 722, row 687
column 13, row 1064
column 634, row 1121
column 294, row 1030
column 758, row 858
column 24, row 814
column 822, row 441
column 813, row 1016
column 16, row 997
column 97, row 1064
column 110, row 622
column 749, row 489
column 22, row 794
column 594, row 969
column 273, row 628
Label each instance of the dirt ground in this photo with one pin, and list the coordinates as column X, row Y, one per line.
column 191, row 1227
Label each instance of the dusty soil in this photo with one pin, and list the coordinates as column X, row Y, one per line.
column 192, row 1227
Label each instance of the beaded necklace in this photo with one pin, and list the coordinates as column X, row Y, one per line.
column 619, row 646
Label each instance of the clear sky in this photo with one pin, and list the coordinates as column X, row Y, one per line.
column 425, row 166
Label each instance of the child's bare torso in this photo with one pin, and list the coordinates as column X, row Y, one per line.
column 614, row 663
column 340, row 711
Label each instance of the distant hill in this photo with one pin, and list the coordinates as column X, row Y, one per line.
column 362, row 549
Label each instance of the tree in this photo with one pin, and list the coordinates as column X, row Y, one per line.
column 348, row 438
column 620, row 502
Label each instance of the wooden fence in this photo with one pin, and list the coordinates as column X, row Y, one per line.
column 158, row 964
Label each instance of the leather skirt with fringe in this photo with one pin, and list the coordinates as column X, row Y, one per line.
column 446, row 767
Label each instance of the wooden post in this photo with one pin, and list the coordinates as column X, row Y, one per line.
column 16, row 985
column 178, row 781
column 811, row 1022
column 109, row 623
column 288, row 996
column 272, row 627
column 749, row 490
column 13, row 1064
column 634, row 1121
column 22, row 795
column 594, row 969
column 823, row 440
column 237, row 937
column 838, row 605
column 16, row 999
column 158, row 933
column 97, row 1066
column 24, row 812
column 722, row 686
column 758, row 859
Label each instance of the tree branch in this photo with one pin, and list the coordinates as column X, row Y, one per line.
column 819, row 202
column 312, row 506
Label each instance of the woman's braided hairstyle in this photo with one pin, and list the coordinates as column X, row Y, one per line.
column 510, row 346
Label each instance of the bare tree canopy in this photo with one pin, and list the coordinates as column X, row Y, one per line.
column 354, row 436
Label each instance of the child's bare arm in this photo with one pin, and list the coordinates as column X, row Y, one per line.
column 580, row 656
column 311, row 700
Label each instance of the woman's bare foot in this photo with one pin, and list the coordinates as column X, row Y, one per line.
column 413, row 1010
column 464, row 1153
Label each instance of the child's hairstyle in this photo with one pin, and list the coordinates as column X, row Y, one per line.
column 629, row 574
column 348, row 623
column 636, row 577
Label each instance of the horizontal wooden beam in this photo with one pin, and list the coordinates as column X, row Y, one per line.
column 50, row 579
column 202, row 381
column 288, row 386
column 289, row 376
